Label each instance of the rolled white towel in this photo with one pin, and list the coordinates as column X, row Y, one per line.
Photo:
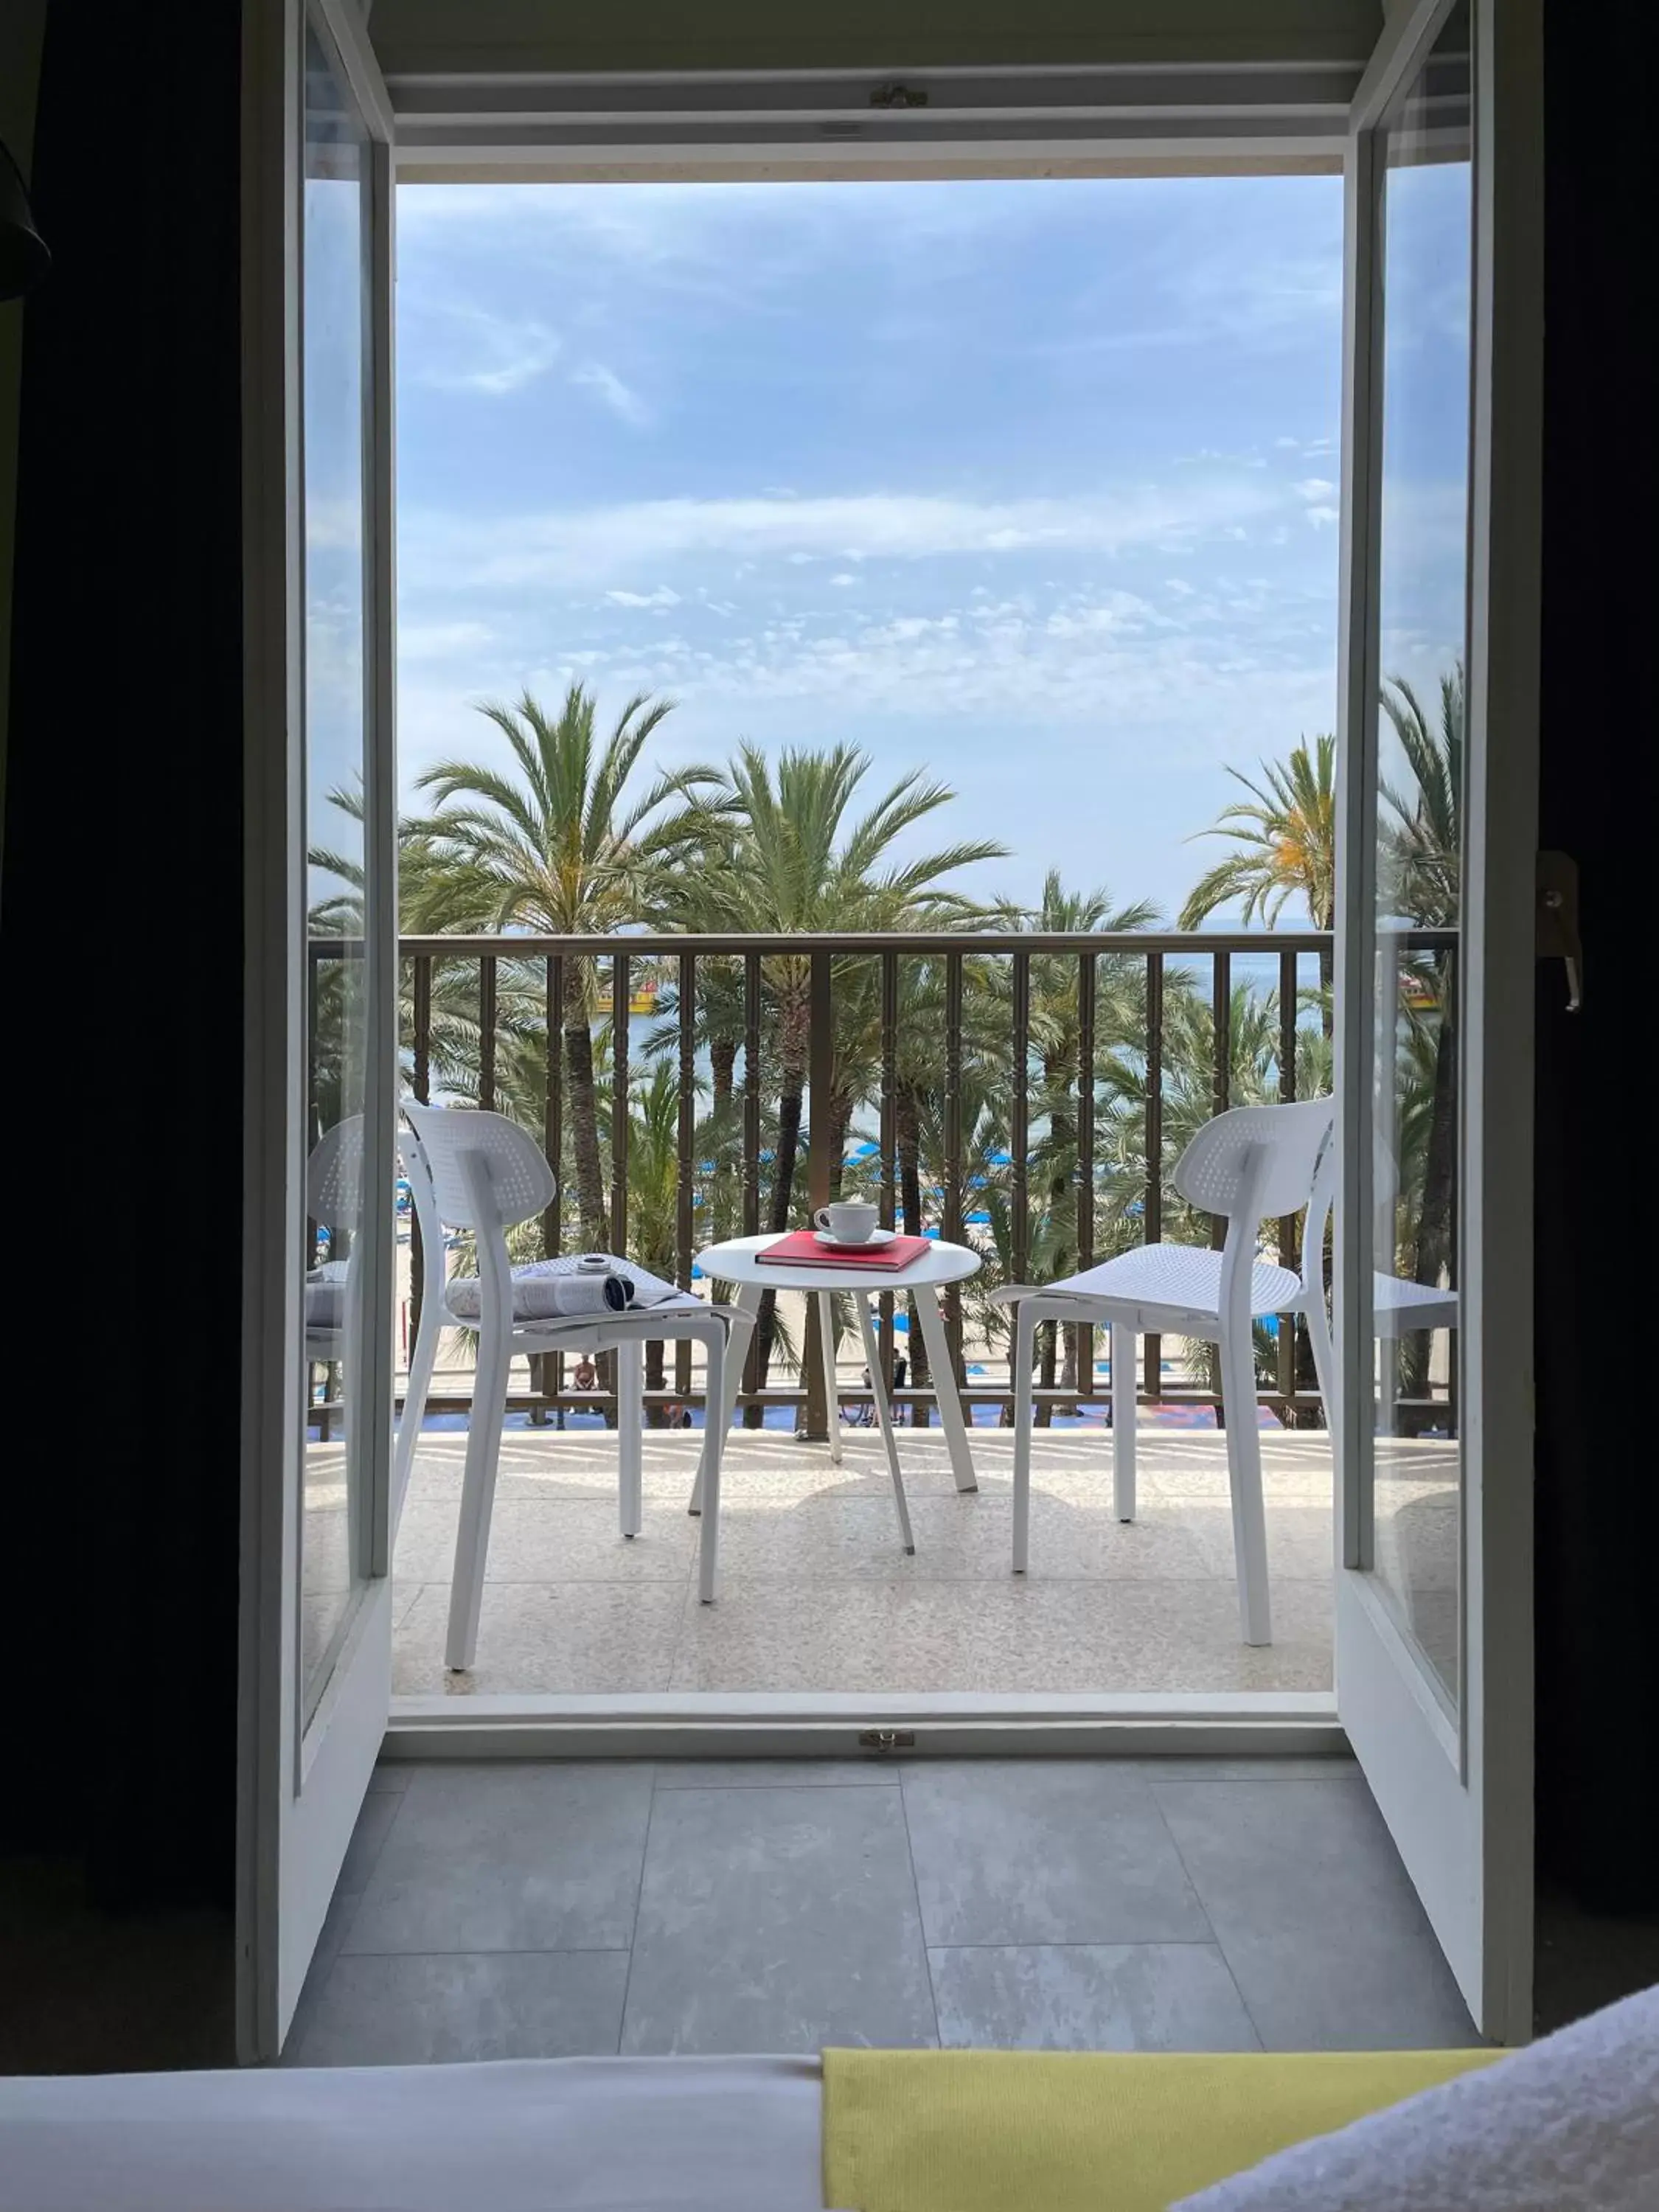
column 1568, row 2125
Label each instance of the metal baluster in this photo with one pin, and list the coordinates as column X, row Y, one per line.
column 1287, row 1252
column 1221, row 1084
column 1151, row 1214
column 752, row 1124
column 952, row 1227
column 889, row 1140
column 685, row 1152
column 1083, row 1353
column 552, row 1365
column 820, row 1076
column 487, row 1034
column 1019, row 1126
column 619, row 1104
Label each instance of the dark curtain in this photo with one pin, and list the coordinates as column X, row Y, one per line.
column 120, row 937
column 1598, row 1220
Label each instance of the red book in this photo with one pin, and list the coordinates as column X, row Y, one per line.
column 803, row 1249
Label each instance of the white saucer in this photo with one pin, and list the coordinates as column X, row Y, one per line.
column 877, row 1237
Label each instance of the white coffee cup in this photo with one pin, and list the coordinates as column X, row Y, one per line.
column 850, row 1221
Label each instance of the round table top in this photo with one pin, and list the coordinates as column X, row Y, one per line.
column 740, row 1260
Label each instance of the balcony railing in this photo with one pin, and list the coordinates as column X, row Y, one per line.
column 1095, row 1107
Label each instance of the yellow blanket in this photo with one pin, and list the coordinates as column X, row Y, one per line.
column 1037, row 2132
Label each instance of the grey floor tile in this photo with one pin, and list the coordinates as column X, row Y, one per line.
column 380, row 1808
column 1085, row 1996
column 775, row 1773
column 1036, row 1851
column 1316, row 1914
column 414, row 2011
column 777, row 1920
column 509, row 1857
column 391, row 1776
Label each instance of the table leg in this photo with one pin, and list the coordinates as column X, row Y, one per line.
column 722, row 1353
column 628, row 1358
column 827, row 1353
column 944, row 1374
column 884, row 1415
column 1123, row 1420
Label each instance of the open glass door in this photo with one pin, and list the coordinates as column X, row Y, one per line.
column 1435, row 971
column 322, row 1089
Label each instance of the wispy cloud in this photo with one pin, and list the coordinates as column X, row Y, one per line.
column 611, row 392
column 472, row 350
column 664, row 596
column 572, row 547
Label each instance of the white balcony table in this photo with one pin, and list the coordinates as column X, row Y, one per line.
column 741, row 1261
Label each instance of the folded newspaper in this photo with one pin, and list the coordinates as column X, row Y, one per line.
column 576, row 1283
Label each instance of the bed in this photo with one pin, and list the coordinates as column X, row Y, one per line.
column 582, row 2135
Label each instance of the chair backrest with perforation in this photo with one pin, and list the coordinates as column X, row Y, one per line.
column 522, row 1184
column 1275, row 1147
column 334, row 1175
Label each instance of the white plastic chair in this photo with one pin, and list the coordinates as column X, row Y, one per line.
column 334, row 1179
column 481, row 1172
column 1253, row 1164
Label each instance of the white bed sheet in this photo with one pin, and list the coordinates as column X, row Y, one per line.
column 558, row 2134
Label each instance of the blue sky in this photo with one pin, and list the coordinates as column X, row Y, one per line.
column 1031, row 484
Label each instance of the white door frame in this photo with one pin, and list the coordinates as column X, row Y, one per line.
column 1456, row 1788
column 301, row 1783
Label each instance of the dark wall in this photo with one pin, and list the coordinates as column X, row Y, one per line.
column 120, row 966
column 1598, row 1218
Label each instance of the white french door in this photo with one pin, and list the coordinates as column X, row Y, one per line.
column 320, row 1094
column 1442, row 346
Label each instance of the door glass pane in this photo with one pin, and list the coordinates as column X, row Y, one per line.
column 335, row 261
column 1426, row 199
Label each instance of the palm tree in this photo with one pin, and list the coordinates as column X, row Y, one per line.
column 786, row 853
column 1286, row 829
column 1423, row 859
column 556, row 841
column 1056, row 1041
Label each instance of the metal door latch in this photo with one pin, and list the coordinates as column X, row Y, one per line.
column 1558, row 920
column 887, row 1739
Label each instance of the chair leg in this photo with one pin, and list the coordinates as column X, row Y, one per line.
column 630, row 1358
column 720, row 1356
column 414, row 1412
column 945, row 1378
column 827, row 1353
column 884, row 1415
column 1123, row 1420
column 1244, row 1475
column 734, row 1349
column 1025, row 1323
column 483, row 1447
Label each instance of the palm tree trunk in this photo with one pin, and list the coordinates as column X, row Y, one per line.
column 584, row 1116
column 1048, row 1334
column 907, row 1116
column 1062, row 1137
column 840, row 1123
column 722, row 1065
column 656, row 1376
column 585, row 1139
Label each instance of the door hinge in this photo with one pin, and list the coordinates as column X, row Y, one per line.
column 1557, row 935
column 885, row 1740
